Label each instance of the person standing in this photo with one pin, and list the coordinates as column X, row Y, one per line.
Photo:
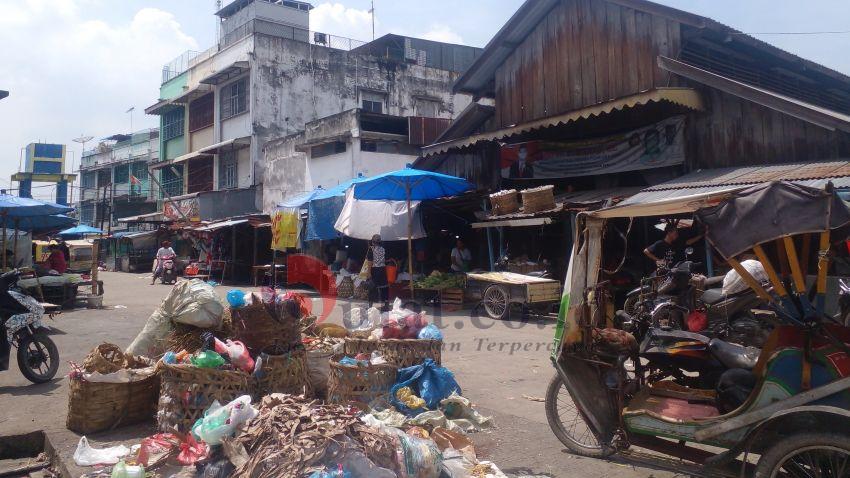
column 377, row 257
column 461, row 257
column 56, row 260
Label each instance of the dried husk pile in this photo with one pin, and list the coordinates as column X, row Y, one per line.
column 189, row 338
column 292, row 436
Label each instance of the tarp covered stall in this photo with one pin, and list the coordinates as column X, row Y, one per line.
column 361, row 219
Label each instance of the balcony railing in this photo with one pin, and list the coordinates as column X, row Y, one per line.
column 175, row 67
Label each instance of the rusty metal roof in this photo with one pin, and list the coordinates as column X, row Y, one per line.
column 838, row 171
column 687, row 97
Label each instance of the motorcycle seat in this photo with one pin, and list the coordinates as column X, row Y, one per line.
column 713, row 296
column 712, row 281
column 734, row 355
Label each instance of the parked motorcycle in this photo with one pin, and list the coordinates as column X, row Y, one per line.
column 21, row 327
column 169, row 270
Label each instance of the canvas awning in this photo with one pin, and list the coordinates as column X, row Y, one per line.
column 193, row 94
column 192, row 155
column 686, row 97
column 161, row 107
column 221, row 225
column 534, row 221
column 235, row 143
column 151, row 217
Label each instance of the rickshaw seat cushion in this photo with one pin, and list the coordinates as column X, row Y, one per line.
column 734, row 355
column 733, row 388
column 712, row 296
column 669, row 408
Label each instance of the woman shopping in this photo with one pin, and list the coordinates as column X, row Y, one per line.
column 377, row 257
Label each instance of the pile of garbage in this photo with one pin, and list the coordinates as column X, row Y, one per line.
column 397, row 323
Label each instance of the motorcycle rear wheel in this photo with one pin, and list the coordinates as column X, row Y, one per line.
column 38, row 358
column 568, row 423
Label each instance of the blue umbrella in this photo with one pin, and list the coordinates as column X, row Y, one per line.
column 43, row 223
column 410, row 185
column 80, row 230
column 340, row 190
column 301, row 199
column 15, row 206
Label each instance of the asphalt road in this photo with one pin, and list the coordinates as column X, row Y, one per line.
column 503, row 367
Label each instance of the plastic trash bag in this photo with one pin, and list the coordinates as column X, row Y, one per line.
column 458, row 408
column 191, row 302
column 431, row 332
column 429, row 381
column 222, row 421
column 85, row 455
column 734, row 283
column 421, row 457
column 192, row 451
column 156, row 449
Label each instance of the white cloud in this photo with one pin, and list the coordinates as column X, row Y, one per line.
column 337, row 19
column 68, row 74
column 442, row 33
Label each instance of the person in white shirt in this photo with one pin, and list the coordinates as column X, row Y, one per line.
column 461, row 257
column 163, row 252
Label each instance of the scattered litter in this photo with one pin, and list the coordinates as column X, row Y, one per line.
column 86, row 455
column 534, row 399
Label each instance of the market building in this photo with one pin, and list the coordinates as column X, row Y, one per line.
column 617, row 95
column 267, row 77
column 114, row 180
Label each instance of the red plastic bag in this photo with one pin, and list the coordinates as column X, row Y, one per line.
column 156, row 449
column 192, row 451
column 697, row 321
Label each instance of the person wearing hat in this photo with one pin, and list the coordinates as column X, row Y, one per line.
column 377, row 257
column 164, row 252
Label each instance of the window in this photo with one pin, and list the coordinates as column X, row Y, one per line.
column 327, row 149
column 389, row 147
column 89, row 180
column 234, row 98
column 172, row 180
column 201, row 112
column 228, row 168
column 138, row 173
column 87, row 214
column 122, row 174
column 372, row 101
column 427, row 108
column 172, row 124
column 104, row 177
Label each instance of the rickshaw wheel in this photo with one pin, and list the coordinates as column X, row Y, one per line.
column 497, row 302
column 568, row 423
column 807, row 454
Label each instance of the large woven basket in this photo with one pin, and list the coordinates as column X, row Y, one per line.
column 284, row 374
column 109, row 358
column 96, row 406
column 187, row 391
column 504, row 202
column 538, row 199
column 399, row 352
column 359, row 383
column 346, row 288
column 261, row 331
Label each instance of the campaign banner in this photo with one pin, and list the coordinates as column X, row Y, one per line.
column 182, row 209
column 659, row 145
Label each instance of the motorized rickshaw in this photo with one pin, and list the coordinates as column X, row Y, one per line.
column 796, row 415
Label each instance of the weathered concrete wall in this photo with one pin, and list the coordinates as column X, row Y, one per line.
column 201, row 138
column 295, row 83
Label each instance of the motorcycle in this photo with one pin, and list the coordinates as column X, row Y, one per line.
column 169, row 270
column 21, row 327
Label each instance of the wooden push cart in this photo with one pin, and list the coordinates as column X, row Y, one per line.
column 498, row 291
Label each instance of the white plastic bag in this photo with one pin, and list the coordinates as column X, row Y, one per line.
column 734, row 283
column 222, row 421
column 85, row 455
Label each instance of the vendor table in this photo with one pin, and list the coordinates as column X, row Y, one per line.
column 258, row 271
column 499, row 290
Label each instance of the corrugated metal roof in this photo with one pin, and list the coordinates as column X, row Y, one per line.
column 687, row 97
column 803, row 173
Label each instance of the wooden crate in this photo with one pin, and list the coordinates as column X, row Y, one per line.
column 451, row 297
column 544, row 292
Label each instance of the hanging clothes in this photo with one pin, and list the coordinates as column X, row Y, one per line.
column 286, row 228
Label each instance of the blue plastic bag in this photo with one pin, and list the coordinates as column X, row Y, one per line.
column 236, row 298
column 430, row 381
column 430, row 332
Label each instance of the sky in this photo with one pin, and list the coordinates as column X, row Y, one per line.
column 74, row 67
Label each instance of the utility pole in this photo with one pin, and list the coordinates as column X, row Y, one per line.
column 167, row 196
column 82, row 139
column 372, row 11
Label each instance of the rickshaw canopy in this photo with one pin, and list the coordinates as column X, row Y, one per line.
column 770, row 211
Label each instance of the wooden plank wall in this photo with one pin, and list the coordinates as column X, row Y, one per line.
column 584, row 52
column 736, row 132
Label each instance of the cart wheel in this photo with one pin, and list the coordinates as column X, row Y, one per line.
column 496, row 302
column 568, row 423
column 807, row 454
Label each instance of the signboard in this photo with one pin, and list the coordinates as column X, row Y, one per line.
column 655, row 146
column 188, row 207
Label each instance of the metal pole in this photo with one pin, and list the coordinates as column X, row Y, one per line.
column 167, row 196
column 409, row 241
column 4, row 241
column 15, row 245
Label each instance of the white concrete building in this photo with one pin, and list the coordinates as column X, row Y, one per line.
column 268, row 77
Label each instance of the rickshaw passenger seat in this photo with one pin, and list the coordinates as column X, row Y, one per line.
column 734, row 355
column 712, row 296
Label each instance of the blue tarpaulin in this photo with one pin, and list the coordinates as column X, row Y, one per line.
column 321, row 216
column 14, row 206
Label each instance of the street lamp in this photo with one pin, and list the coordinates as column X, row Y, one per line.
column 82, row 139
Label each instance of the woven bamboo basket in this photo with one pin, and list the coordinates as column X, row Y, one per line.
column 261, row 331
column 109, row 358
column 361, row 292
column 504, row 202
column 187, row 391
column 346, row 288
column 399, row 352
column 96, row 406
column 538, row 199
column 285, row 374
column 359, row 383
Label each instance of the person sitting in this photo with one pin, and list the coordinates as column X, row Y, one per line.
column 461, row 257
column 164, row 252
column 56, row 260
